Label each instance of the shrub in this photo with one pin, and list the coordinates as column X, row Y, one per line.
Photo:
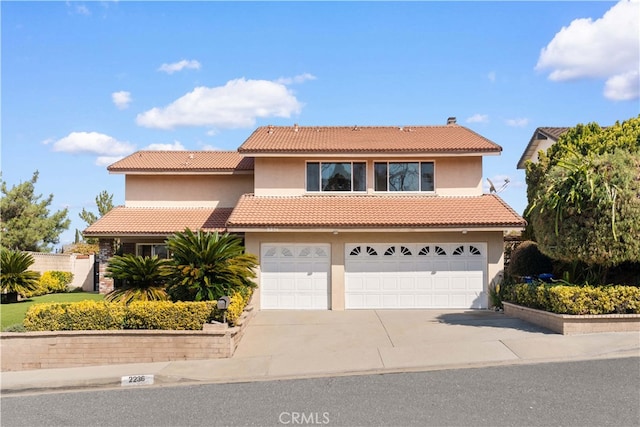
column 15, row 276
column 103, row 315
column 527, row 260
column 167, row 315
column 83, row 315
column 18, row 327
column 52, row 282
column 571, row 299
column 206, row 266
column 143, row 278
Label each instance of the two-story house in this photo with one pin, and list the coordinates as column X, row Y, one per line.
column 339, row 217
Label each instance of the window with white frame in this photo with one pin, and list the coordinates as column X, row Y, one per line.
column 336, row 176
column 150, row 249
column 404, row 176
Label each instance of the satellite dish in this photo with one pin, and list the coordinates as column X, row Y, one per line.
column 492, row 188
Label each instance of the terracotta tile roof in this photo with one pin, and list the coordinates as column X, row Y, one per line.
column 372, row 212
column 366, row 139
column 192, row 161
column 123, row 221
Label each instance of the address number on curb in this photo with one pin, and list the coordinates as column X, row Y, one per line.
column 137, row 380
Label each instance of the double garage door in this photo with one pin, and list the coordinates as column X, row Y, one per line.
column 415, row 275
column 297, row 276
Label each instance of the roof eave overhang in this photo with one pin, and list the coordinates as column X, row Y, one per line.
column 386, row 154
column 122, row 234
column 181, row 172
column 339, row 229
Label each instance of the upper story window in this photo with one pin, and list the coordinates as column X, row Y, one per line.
column 403, row 176
column 336, row 176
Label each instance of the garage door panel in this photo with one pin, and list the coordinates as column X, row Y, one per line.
column 415, row 275
column 294, row 276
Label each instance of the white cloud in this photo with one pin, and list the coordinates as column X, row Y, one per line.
column 608, row 48
column 300, row 78
column 492, row 76
column 176, row 146
column 623, row 87
column 92, row 143
column 121, row 99
column 237, row 104
column 179, row 66
column 478, row 118
column 519, row 122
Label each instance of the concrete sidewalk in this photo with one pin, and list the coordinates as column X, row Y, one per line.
column 301, row 344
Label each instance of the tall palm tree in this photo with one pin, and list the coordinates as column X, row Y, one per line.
column 143, row 278
column 15, row 276
column 207, row 266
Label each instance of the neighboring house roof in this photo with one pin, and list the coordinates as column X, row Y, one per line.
column 540, row 134
column 124, row 221
column 183, row 161
column 297, row 140
column 368, row 212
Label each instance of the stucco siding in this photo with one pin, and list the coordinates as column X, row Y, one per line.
column 186, row 191
column 454, row 176
column 459, row 176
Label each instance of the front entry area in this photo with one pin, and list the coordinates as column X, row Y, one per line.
column 447, row 275
column 295, row 276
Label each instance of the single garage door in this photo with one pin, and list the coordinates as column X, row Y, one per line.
column 415, row 275
column 294, row 276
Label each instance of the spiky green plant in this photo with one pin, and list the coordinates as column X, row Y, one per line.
column 15, row 276
column 207, row 266
column 143, row 278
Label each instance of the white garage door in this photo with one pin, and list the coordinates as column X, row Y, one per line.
column 415, row 275
column 294, row 276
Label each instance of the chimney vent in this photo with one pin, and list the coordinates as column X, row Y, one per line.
column 451, row 121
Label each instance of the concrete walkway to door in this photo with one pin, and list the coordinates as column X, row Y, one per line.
column 301, row 344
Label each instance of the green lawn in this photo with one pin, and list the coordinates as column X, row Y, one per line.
column 12, row 314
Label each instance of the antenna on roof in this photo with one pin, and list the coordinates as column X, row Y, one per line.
column 492, row 188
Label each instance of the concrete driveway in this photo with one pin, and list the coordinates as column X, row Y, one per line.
column 308, row 342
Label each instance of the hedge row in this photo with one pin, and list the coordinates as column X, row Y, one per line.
column 102, row 315
column 562, row 299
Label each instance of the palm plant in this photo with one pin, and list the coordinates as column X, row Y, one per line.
column 143, row 278
column 15, row 276
column 207, row 266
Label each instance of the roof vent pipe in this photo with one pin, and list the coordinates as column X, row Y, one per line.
column 451, row 121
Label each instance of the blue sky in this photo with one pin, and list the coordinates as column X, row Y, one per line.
column 86, row 83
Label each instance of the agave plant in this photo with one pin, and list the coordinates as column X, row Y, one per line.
column 207, row 266
column 142, row 278
column 15, row 276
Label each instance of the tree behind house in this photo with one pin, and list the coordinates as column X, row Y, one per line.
column 26, row 221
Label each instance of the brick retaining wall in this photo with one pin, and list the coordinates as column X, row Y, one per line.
column 567, row 324
column 65, row 349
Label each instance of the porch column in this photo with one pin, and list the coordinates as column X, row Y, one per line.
column 105, row 253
